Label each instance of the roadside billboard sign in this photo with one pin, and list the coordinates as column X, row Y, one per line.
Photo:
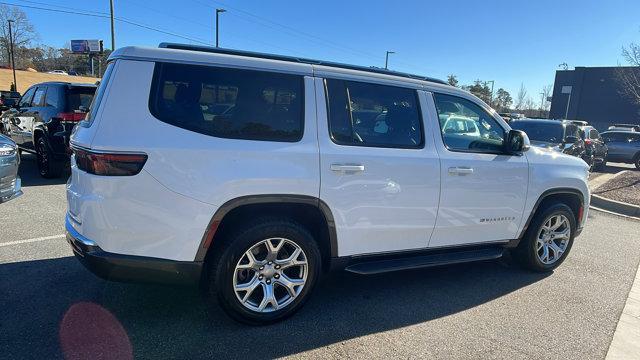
column 86, row 46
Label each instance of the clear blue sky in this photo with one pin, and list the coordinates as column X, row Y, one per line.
column 511, row 42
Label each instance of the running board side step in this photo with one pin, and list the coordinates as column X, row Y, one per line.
column 368, row 267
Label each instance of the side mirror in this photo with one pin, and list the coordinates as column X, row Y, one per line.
column 516, row 142
column 570, row 139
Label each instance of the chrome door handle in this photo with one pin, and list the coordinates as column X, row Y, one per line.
column 347, row 168
column 461, row 170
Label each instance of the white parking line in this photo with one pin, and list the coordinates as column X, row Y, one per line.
column 18, row 242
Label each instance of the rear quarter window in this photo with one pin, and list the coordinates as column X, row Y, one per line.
column 229, row 103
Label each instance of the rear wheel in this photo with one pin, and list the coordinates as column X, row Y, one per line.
column 548, row 239
column 48, row 167
column 266, row 272
column 637, row 162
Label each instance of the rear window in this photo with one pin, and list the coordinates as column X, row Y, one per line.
column 539, row 131
column 79, row 96
column 229, row 103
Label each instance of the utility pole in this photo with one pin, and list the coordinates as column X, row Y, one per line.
column 541, row 103
column 13, row 57
column 113, row 31
column 386, row 60
column 218, row 11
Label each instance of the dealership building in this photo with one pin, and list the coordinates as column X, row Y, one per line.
column 593, row 94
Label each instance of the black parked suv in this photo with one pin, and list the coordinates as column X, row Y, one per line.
column 556, row 135
column 41, row 122
column 596, row 149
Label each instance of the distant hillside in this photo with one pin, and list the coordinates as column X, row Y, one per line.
column 26, row 79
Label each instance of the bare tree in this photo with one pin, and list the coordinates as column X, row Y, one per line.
column 22, row 30
column 521, row 98
column 629, row 78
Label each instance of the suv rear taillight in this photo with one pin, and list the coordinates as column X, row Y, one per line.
column 72, row 116
column 587, row 141
column 109, row 164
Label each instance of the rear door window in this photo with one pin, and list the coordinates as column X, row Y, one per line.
column 593, row 134
column 229, row 103
column 38, row 98
column 53, row 96
column 364, row 114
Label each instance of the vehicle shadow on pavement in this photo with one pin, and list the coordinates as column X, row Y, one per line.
column 30, row 175
column 59, row 308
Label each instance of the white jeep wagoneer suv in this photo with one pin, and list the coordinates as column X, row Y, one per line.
column 253, row 174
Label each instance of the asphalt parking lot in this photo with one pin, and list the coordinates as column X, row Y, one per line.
column 51, row 307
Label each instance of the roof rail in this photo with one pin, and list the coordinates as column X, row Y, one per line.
column 215, row 50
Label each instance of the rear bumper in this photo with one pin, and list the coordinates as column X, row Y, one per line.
column 130, row 268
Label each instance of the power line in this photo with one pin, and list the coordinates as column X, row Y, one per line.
column 106, row 16
column 296, row 32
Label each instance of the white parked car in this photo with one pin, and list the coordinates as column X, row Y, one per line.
column 313, row 166
column 59, row 72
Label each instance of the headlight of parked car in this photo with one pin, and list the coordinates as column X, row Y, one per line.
column 7, row 150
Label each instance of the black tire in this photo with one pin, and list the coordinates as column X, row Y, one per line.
column 601, row 165
column 222, row 268
column 48, row 167
column 526, row 254
column 636, row 162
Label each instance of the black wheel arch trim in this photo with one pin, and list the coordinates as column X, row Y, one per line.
column 543, row 196
column 216, row 220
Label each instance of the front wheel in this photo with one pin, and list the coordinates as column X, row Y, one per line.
column 548, row 239
column 266, row 272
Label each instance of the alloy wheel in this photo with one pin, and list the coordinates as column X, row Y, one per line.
column 270, row 275
column 553, row 239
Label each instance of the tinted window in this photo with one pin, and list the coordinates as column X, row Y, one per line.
column 366, row 114
column 38, row 98
column 465, row 126
column 25, row 101
column 614, row 137
column 80, row 96
column 53, row 96
column 593, row 134
column 229, row 103
column 547, row 131
column 97, row 98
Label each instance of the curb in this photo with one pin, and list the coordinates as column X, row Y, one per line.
column 615, row 206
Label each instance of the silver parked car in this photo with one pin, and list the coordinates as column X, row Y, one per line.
column 9, row 161
column 624, row 146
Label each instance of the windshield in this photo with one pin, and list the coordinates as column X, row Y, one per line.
column 539, row 131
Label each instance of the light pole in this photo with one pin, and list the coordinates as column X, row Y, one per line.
column 491, row 98
column 13, row 57
column 386, row 60
column 541, row 103
column 113, row 30
column 218, row 11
